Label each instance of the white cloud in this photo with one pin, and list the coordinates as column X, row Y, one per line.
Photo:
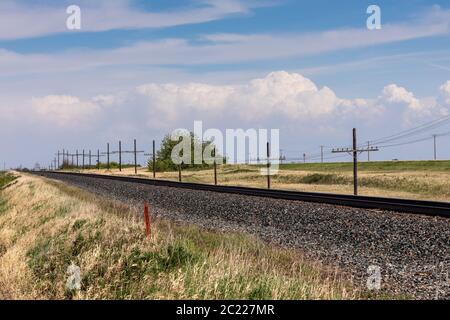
column 222, row 48
column 394, row 94
column 64, row 111
column 280, row 94
column 414, row 109
column 279, row 100
column 445, row 93
column 20, row 19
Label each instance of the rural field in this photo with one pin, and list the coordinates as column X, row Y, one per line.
column 427, row 180
column 46, row 226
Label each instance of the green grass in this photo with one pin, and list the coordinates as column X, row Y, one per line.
column 6, row 178
column 443, row 165
column 412, row 185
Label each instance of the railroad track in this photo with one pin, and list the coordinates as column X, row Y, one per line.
column 430, row 208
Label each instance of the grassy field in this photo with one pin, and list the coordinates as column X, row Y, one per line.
column 47, row 226
column 374, row 166
column 404, row 179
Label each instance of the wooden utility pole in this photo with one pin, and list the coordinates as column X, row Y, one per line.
column 215, row 167
column 321, row 154
column 90, row 159
column 120, row 155
column 368, row 152
column 434, row 141
column 355, row 164
column 107, row 157
column 268, row 165
column 98, row 159
column 354, row 152
column 83, row 159
column 154, row 160
column 77, row 157
column 135, row 157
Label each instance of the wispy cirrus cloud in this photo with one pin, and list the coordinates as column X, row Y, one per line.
column 226, row 48
column 22, row 19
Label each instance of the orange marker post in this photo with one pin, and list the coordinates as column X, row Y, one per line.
column 147, row 221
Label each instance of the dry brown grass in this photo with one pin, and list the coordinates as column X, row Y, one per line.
column 45, row 226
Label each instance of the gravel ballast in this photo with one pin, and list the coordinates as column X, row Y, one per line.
column 412, row 252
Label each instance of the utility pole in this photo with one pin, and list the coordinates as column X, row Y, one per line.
column 77, row 157
column 304, row 158
column 355, row 164
column 321, row 154
column 107, row 152
column 368, row 151
column 83, row 160
column 268, row 165
column 98, row 159
column 434, row 141
column 90, row 159
column 215, row 167
column 135, row 157
column 354, row 152
column 120, row 155
column 154, row 160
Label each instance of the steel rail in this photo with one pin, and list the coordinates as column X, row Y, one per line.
column 430, row 208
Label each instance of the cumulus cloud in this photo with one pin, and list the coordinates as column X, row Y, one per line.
column 64, row 111
column 445, row 93
column 413, row 109
column 280, row 99
column 284, row 94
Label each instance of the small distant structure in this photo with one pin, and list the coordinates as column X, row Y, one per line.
column 37, row 167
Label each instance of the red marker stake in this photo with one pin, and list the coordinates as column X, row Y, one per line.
column 147, row 220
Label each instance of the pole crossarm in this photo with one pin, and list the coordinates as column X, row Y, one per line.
column 117, row 152
column 351, row 150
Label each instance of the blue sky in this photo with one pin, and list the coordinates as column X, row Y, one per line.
column 132, row 60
